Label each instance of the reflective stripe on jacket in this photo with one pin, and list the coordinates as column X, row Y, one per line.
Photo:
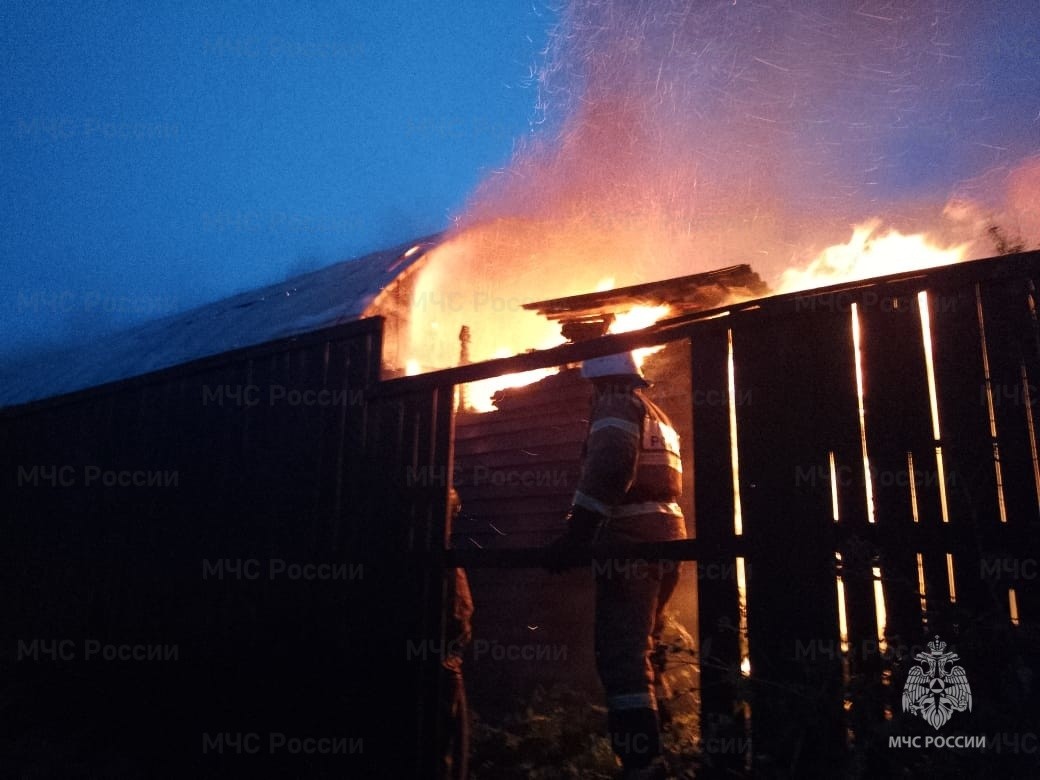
column 632, row 471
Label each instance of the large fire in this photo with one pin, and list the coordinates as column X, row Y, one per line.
column 479, row 396
column 482, row 276
column 449, row 294
column 454, row 289
column 871, row 252
column 687, row 137
column 679, row 138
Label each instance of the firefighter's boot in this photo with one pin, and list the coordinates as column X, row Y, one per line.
column 636, row 739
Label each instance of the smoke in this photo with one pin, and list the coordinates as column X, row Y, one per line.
column 1023, row 202
column 678, row 137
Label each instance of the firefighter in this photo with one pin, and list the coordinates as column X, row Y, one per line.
column 630, row 482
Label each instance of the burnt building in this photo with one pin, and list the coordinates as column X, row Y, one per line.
column 228, row 530
column 516, row 468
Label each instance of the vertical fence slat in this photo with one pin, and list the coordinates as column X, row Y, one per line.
column 1011, row 348
column 800, row 381
column 902, row 455
column 717, row 599
column 967, row 448
column 1009, row 560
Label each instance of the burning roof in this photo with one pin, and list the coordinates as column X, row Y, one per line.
column 591, row 314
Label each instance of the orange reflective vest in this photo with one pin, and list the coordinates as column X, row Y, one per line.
column 632, row 470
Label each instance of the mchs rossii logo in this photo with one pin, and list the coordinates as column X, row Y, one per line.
column 935, row 690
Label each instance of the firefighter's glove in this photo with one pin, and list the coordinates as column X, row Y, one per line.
column 570, row 550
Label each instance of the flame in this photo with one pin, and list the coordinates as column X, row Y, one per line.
column 871, row 252
column 675, row 141
column 637, row 318
column 455, row 289
column 482, row 276
column 480, row 395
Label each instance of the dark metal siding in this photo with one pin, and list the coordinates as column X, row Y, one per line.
column 258, row 474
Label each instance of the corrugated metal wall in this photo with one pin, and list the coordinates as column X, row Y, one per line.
column 221, row 510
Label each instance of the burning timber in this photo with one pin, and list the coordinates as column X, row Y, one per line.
column 592, row 314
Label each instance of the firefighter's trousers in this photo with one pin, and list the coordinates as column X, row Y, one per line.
column 630, row 598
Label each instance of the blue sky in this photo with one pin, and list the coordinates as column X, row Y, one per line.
column 158, row 155
column 154, row 156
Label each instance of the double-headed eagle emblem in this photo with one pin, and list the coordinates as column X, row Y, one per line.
column 933, row 692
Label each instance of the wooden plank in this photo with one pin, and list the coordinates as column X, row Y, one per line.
column 530, row 530
column 433, row 614
column 514, row 479
column 287, row 416
column 1013, row 352
column 527, row 361
column 785, row 431
column 560, row 393
column 682, row 291
column 559, row 427
column 494, row 510
column 565, row 453
column 967, row 445
column 1018, row 418
column 898, row 425
column 529, row 438
column 1011, row 349
column 712, row 520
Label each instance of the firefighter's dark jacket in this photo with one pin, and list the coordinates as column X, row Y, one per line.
column 632, row 472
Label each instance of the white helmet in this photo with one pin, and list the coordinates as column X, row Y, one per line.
column 621, row 364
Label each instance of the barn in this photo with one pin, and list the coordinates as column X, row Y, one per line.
column 228, row 535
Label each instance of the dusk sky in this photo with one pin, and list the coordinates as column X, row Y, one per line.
column 158, row 156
